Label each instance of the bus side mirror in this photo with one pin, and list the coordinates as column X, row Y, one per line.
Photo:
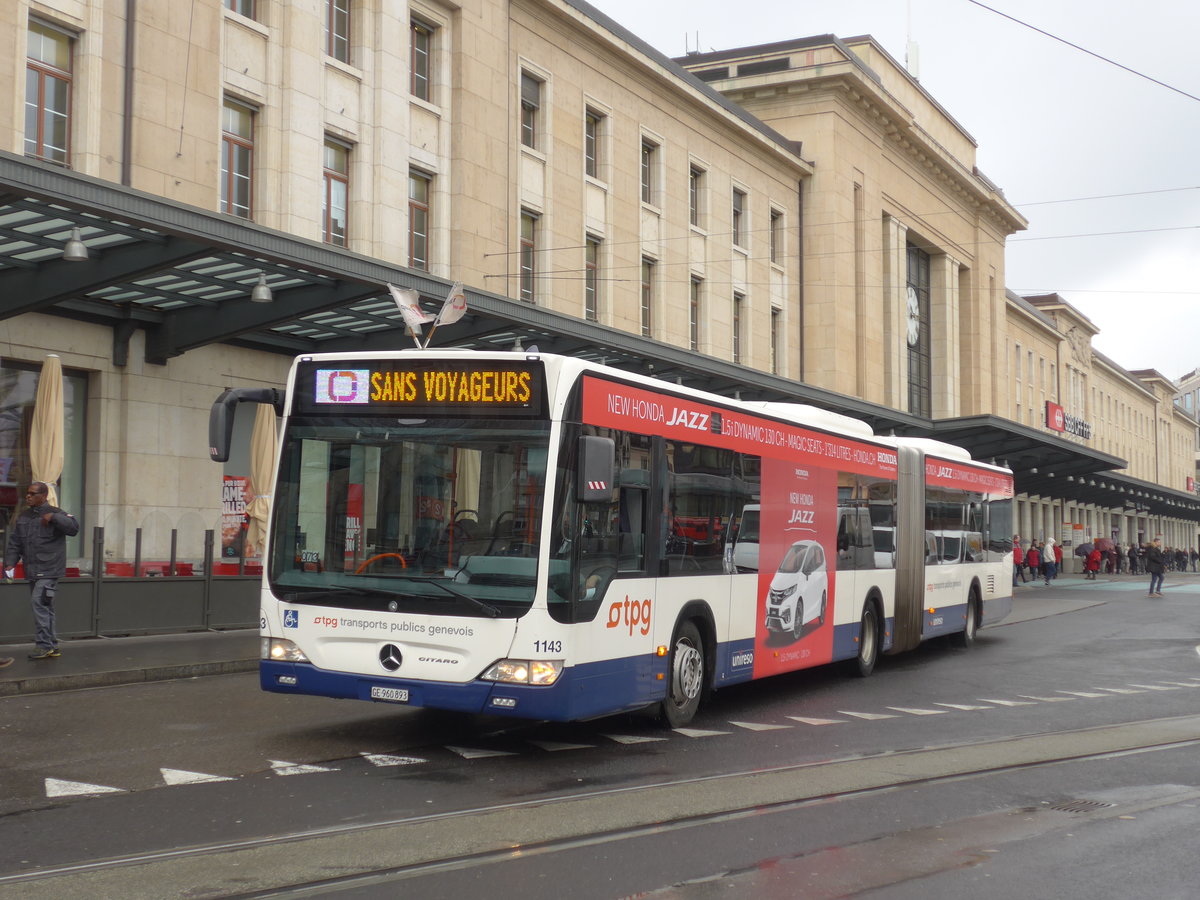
column 220, row 417
column 597, row 463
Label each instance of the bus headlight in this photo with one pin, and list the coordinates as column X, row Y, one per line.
column 524, row 671
column 279, row 650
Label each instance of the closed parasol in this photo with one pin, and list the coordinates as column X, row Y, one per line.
column 262, row 475
column 46, row 431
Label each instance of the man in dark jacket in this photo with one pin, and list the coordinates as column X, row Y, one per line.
column 38, row 538
column 1155, row 565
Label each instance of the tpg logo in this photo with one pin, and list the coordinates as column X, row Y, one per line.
column 291, row 618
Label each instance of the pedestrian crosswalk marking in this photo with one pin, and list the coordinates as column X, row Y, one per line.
column 1083, row 694
column 1046, row 699
column 382, row 759
column 1120, row 690
column 182, row 776
column 965, row 706
column 1154, row 687
column 281, row 767
column 758, row 726
column 869, row 716
column 632, row 738
column 918, row 712
column 57, row 787
column 1006, row 702
column 697, row 732
column 477, row 752
column 808, row 721
column 556, row 746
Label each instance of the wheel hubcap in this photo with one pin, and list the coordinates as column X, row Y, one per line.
column 688, row 674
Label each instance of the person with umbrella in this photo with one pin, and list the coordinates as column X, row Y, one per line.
column 39, row 538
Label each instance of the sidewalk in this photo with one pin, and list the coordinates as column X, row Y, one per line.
column 101, row 662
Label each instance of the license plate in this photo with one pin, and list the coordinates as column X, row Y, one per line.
column 395, row 695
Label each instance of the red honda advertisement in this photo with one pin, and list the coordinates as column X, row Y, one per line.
column 796, row 567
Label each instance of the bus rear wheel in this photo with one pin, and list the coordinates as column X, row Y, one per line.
column 868, row 642
column 686, row 673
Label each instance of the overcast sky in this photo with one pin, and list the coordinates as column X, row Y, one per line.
column 1052, row 124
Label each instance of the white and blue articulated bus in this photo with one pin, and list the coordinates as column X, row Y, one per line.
column 537, row 536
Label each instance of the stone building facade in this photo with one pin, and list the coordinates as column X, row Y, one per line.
column 804, row 209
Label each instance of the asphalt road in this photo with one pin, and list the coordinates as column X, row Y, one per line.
column 1054, row 758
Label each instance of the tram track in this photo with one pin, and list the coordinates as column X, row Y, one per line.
column 315, row 861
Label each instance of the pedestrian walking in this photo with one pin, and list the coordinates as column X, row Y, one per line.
column 1092, row 564
column 1058, row 555
column 1133, row 558
column 1018, row 562
column 38, row 538
column 1033, row 559
column 1049, row 564
column 1155, row 565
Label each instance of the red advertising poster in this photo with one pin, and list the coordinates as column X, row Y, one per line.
column 797, row 561
column 354, row 524
column 235, row 493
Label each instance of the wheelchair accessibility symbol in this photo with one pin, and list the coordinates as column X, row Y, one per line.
column 291, row 618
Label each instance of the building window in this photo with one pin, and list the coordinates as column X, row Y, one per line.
column 738, row 219
column 647, row 311
column 592, row 125
column 337, row 29
column 695, row 195
column 920, row 391
column 531, row 102
column 48, row 94
column 337, row 191
column 421, row 37
column 237, row 159
column 649, row 161
column 241, row 7
column 17, row 401
column 694, row 314
column 775, row 234
column 591, row 279
column 739, row 301
column 528, row 255
column 419, row 185
column 776, row 334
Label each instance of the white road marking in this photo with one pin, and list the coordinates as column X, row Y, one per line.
column 756, row 726
column 477, row 753
column 965, row 706
column 556, row 746
column 1155, row 687
column 1006, row 702
column 1082, row 694
column 808, row 721
column 918, row 712
column 182, row 776
column 1120, row 690
column 869, row 716
column 697, row 732
column 632, row 738
column 1045, row 699
column 56, row 787
column 288, row 768
column 382, row 759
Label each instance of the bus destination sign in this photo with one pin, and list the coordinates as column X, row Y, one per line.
column 425, row 386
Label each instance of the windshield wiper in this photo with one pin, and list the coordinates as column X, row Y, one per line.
column 327, row 592
column 491, row 611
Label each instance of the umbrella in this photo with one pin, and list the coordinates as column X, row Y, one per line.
column 1083, row 549
column 46, row 432
column 262, row 474
column 1104, row 544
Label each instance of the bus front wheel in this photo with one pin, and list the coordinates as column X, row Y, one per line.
column 966, row 637
column 868, row 642
column 686, row 672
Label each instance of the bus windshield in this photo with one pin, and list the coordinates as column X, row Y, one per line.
column 437, row 515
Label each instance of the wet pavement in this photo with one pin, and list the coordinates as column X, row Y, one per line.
column 100, row 662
